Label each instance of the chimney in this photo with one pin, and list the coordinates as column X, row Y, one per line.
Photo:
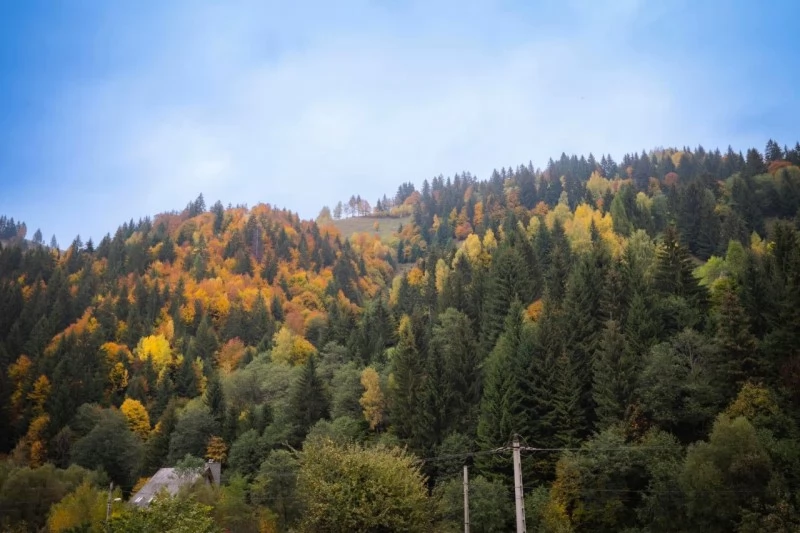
column 215, row 469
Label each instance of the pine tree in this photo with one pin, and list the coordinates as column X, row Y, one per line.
column 570, row 422
column 408, row 373
column 615, row 374
column 739, row 359
column 454, row 340
column 674, row 267
column 642, row 328
column 773, row 151
column 309, row 402
column 559, row 261
column 205, row 342
column 214, row 399
column 583, row 324
column 507, row 281
column 500, row 405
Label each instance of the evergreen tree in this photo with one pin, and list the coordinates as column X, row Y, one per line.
column 500, row 406
column 583, row 324
column 674, row 268
column 408, row 371
column 308, row 402
column 454, row 339
column 737, row 347
column 205, row 342
column 614, row 376
column 214, row 399
column 570, row 422
column 507, row 281
column 157, row 447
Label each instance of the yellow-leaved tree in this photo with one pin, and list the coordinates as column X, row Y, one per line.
column 39, row 395
column 289, row 348
column 372, row 401
column 137, row 417
column 84, row 509
column 157, row 349
column 216, row 449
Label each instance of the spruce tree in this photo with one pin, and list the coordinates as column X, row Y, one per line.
column 559, row 262
column 309, row 401
column 408, row 371
column 508, row 280
column 205, row 342
column 570, row 422
column 674, row 268
column 615, row 374
column 737, row 347
column 454, row 339
column 214, row 399
column 500, row 405
column 157, row 448
column 583, row 324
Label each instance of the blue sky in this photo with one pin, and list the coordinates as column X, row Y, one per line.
column 116, row 110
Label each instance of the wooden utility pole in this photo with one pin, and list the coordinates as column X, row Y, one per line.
column 466, row 499
column 519, row 498
column 108, row 507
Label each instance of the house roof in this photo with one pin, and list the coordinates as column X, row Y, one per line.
column 166, row 478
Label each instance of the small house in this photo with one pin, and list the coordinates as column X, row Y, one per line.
column 168, row 479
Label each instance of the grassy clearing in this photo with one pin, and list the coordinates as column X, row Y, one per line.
column 386, row 226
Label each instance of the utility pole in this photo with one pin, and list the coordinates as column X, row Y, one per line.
column 466, row 499
column 519, row 498
column 108, row 507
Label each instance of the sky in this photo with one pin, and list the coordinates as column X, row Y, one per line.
column 118, row 110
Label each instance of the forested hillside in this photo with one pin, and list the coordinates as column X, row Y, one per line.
column 636, row 324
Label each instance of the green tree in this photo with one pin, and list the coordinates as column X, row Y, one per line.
column 737, row 346
column 674, row 267
column 501, row 413
column 157, row 448
column 726, row 475
column 168, row 515
column 275, row 486
column 583, row 327
column 350, row 488
column 408, row 386
column 214, row 399
column 677, row 386
column 110, row 445
column 490, row 510
column 246, row 454
column 192, row 431
column 507, row 281
column 615, row 372
column 454, row 339
column 309, row 401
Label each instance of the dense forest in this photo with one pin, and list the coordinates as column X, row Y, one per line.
column 635, row 324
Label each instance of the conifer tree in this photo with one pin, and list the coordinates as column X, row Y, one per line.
column 737, row 347
column 500, row 404
column 559, row 263
column 157, row 447
column 309, row 401
column 214, row 399
column 583, row 324
column 614, row 376
column 674, row 267
column 570, row 422
column 507, row 281
column 454, row 340
column 408, row 373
